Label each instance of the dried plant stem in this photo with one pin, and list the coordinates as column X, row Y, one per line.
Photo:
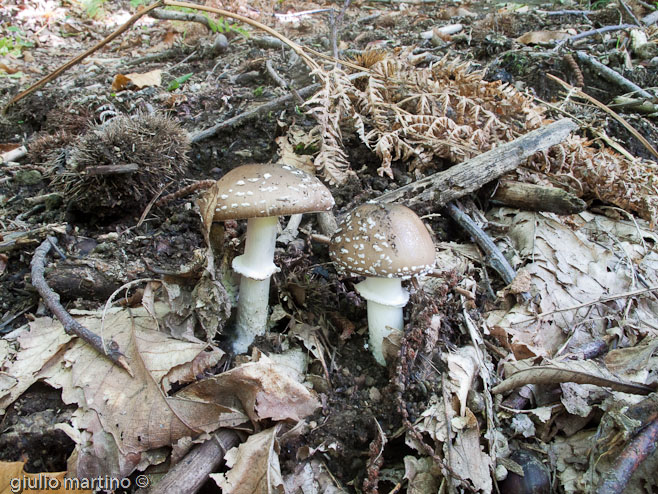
column 610, row 112
column 612, row 75
column 71, row 326
column 53, row 75
column 185, row 191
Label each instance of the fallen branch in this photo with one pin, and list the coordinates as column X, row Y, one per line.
column 464, row 178
column 495, row 257
column 639, row 449
column 71, row 326
column 55, row 74
column 172, row 15
column 612, row 75
column 189, row 474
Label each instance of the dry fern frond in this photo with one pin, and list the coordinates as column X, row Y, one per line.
column 448, row 112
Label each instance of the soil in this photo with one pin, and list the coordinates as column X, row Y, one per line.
column 118, row 248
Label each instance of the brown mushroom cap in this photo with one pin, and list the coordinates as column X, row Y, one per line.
column 260, row 190
column 382, row 240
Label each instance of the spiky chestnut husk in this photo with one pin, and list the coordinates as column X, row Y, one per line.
column 155, row 143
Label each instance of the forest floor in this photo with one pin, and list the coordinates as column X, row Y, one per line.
column 187, row 100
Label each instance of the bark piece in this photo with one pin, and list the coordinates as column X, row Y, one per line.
column 538, row 198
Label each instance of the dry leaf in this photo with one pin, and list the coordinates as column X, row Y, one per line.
column 423, row 475
column 463, row 368
column 541, row 37
column 152, row 78
column 37, row 347
column 135, row 411
column 571, row 371
column 254, row 466
column 13, row 478
column 265, row 389
column 467, row 458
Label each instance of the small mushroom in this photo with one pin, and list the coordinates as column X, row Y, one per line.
column 387, row 243
column 261, row 193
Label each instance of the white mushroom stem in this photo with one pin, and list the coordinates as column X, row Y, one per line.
column 256, row 266
column 386, row 298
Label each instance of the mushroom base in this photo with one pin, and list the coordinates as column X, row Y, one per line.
column 382, row 321
column 252, row 312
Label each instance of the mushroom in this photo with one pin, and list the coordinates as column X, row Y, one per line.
column 387, row 243
column 261, row 193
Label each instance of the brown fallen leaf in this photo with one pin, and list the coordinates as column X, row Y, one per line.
column 541, row 37
column 152, row 78
column 254, row 466
column 580, row 372
column 265, row 389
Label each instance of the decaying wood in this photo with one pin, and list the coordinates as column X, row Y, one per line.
column 13, row 155
column 112, row 169
column 71, row 326
column 462, row 179
column 73, row 281
column 538, row 198
column 189, row 474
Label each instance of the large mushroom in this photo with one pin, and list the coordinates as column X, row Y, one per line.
column 261, row 193
column 387, row 243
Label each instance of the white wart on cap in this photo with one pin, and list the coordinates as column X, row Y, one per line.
column 261, row 190
column 382, row 240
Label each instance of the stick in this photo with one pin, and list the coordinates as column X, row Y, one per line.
column 638, row 449
column 54, row 75
column 189, row 475
column 464, row 178
column 172, row 15
column 612, row 75
column 71, row 326
column 495, row 257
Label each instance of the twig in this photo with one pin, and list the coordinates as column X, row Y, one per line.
column 185, row 191
column 495, row 257
column 612, row 75
column 251, row 114
column 261, row 110
column 468, row 176
column 603, row 107
column 53, row 75
column 584, row 13
column 189, row 474
column 630, row 13
column 600, row 300
column 638, row 449
column 71, row 326
column 586, row 34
